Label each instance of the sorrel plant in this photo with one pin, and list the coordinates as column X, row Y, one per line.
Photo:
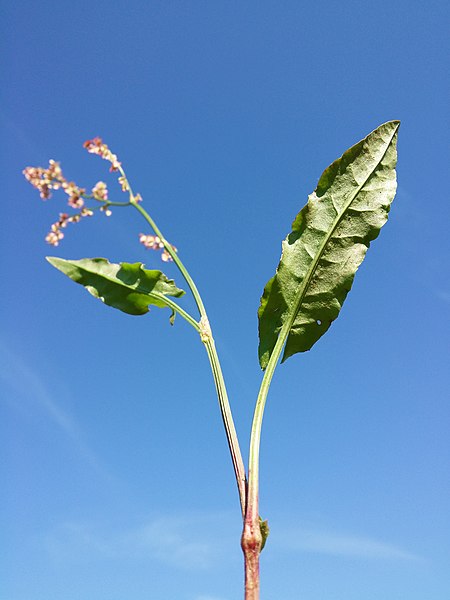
column 328, row 241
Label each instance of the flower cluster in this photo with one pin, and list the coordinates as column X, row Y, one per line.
column 124, row 184
column 153, row 242
column 52, row 178
column 55, row 234
column 45, row 180
column 100, row 191
column 96, row 146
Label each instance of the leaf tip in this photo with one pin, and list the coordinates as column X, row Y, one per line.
column 394, row 124
column 55, row 261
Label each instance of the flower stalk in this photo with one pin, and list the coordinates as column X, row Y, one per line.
column 52, row 178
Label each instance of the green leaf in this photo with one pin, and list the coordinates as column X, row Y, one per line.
column 125, row 286
column 329, row 239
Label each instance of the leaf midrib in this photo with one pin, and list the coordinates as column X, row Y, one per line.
column 120, row 283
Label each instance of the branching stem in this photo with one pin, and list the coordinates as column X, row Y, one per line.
column 203, row 327
column 230, row 430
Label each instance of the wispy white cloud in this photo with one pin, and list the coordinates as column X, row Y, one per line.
column 74, row 540
column 173, row 541
column 187, row 542
column 28, row 391
column 200, row 542
column 342, row 544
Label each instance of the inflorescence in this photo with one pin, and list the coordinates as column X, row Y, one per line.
column 52, row 179
column 154, row 242
column 96, row 146
column 46, row 180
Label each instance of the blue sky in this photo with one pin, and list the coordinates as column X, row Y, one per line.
column 116, row 483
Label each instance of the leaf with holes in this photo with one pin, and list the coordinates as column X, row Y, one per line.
column 125, row 286
column 329, row 239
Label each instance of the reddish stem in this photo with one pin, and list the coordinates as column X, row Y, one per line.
column 251, row 542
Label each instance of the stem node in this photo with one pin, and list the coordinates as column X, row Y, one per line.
column 205, row 329
column 251, row 543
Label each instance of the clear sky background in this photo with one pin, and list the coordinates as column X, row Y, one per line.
column 116, row 482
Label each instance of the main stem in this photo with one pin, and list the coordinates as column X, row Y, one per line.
column 251, row 540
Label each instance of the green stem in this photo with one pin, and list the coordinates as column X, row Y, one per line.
column 174, row 306
column 233, row 443
column 251, row 540
column 206, row 336
column 167, row 246
column 255, row 437
column 169, row 249
column 105, row 202
column 110, row 203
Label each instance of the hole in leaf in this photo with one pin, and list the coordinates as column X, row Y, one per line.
column 319, row 322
